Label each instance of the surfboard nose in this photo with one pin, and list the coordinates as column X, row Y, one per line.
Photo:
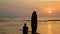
column 34, row 13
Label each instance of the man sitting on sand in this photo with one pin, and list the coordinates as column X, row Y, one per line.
column 25, row 29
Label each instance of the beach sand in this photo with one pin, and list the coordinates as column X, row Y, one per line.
column 43, row 28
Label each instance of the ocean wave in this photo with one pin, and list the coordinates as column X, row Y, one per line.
column 18, row 19
column 26, row 20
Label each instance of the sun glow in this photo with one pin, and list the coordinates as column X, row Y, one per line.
column 49, row 11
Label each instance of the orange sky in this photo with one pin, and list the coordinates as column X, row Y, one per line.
column 26, row 7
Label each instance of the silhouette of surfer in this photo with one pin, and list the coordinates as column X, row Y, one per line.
column 25, row 29
column 34, row 22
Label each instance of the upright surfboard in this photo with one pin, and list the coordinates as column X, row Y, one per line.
column 34, row 22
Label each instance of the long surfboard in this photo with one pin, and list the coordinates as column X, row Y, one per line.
column 34, row 22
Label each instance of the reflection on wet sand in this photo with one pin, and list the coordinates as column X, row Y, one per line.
column 49, row 28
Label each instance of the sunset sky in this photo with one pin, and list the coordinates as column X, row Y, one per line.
column 26, row 7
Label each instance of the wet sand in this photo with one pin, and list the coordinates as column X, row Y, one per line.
column 43, row 27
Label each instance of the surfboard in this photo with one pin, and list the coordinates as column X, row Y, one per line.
column 34, row 22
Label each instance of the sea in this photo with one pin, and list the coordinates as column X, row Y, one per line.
column 14, row 25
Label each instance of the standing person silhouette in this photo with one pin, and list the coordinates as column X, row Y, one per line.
column 25, row 29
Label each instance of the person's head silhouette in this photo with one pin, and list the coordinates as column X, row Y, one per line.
column 24, row 24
